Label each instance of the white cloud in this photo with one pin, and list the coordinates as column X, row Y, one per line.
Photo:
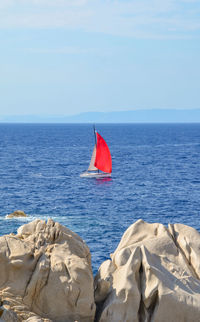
column 134, row 18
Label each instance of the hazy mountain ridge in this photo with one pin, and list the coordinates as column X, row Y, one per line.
column 135, row 116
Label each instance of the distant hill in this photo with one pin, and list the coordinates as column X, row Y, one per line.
column 136, row 116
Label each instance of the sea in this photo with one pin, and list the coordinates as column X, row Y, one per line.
column 156, row 177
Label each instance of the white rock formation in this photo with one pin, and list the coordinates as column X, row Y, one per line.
column 153, row 276
column 45, row 275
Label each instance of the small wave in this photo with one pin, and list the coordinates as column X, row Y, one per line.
column 15, row 218
column 44, row 176
column 36, row 175
column 30, row 218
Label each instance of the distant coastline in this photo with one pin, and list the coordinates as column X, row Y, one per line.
column 134, row 116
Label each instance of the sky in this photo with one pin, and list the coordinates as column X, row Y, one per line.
column 65, row 57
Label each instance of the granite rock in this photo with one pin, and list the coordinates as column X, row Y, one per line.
column 46, row 274
column 17, row 213
column 153, row 275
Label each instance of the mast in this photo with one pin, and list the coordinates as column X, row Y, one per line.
column 95, row 137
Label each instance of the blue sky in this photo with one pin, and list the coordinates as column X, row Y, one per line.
column 73, row 56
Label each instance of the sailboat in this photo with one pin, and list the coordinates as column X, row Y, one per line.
column 101, row 162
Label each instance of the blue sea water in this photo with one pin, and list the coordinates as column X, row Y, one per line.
column 156, row 177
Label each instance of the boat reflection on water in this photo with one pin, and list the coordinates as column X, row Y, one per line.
column 103, row 180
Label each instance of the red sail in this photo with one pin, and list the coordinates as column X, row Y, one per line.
column 103, row 159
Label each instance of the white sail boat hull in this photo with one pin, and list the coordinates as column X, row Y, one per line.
column 96, row 175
